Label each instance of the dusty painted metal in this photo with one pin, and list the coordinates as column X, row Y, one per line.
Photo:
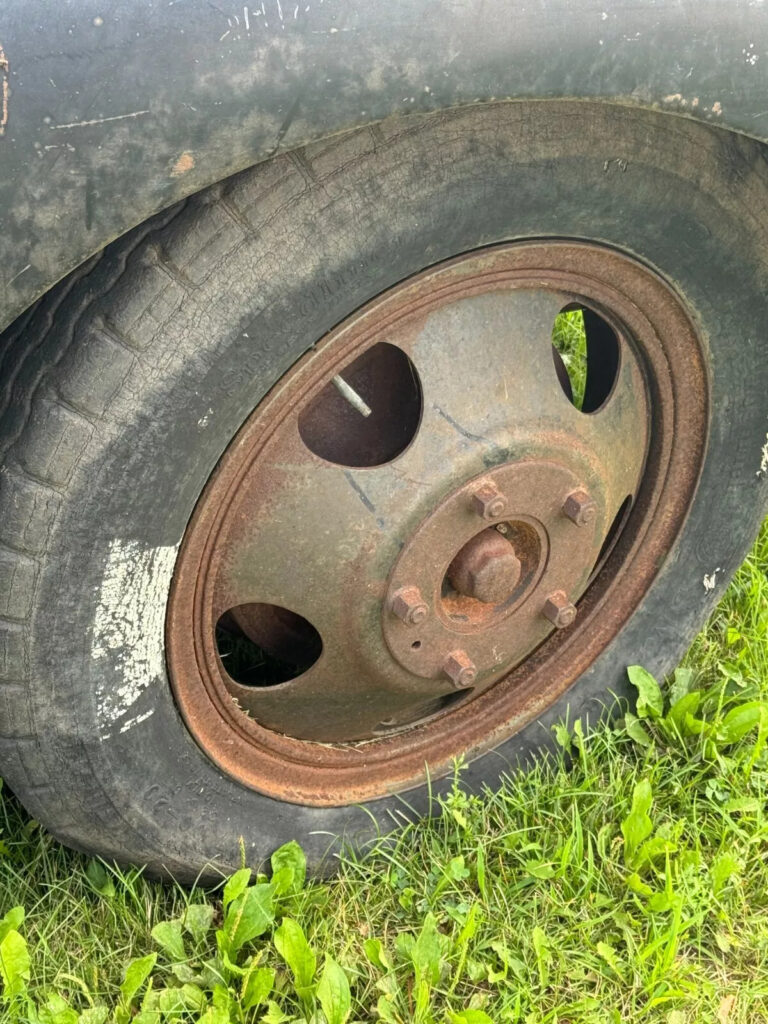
column 414, row 669
column 115, row 110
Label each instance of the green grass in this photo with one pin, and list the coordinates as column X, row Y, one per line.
column 625, row 880
column 570, row 339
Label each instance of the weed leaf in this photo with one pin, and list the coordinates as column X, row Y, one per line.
column 235, row 886
column 543, row 954
column 93, row 1015
column 637, row 826
column 136, row 973
column 386, row 1010
column 292, row 945
column 681, row 684
column 14, row 965
column 425, row 952
column 609, row 954
column 684, row 709
column 377, row 954
column 333, row 992
column 100, row 879
column 289, row 868
column 56, row 1010
column 12, row 921
column 258, row 985
column 636, row 884
column 650, row 701
column 167, row 934
column 214, row 1015
column 250, row 914
column 198, row 918
column 723, row 868
column 637, row 731
column 741, row 720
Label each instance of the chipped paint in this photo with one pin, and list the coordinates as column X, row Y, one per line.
column 4, row 91
column 710, row 579
column 186, row 162
column 129, row 626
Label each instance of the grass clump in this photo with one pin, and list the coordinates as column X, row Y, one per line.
column 625, row 879
column 569, row 336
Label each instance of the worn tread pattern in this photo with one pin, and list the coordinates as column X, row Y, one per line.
column 58, row 377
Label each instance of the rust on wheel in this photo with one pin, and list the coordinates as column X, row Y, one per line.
column 424, row 533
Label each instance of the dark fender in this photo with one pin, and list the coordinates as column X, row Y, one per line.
column 111, row 111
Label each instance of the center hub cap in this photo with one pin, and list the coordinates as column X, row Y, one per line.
column 486, row 568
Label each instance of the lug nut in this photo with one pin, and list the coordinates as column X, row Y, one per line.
column 460, row 669
column 580, row 508
column 407, row 604
column 488, row 501
column 559, row 610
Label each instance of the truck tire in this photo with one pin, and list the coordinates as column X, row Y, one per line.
column 297, row 507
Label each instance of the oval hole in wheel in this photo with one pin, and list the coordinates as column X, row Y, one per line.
column 263, row 644
column 369, row 413
column 585, row 349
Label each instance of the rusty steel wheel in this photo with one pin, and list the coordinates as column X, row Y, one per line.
column 424, row 531
column 299, row 504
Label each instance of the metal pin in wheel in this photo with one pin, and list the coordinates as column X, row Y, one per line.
column 351, row 396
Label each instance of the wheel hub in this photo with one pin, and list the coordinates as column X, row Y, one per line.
column 483, row 591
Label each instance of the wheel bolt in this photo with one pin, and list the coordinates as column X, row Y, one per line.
column 460, row 669
column 407, row 604
column 559, row 610
column 580, row 508
column 488, row 501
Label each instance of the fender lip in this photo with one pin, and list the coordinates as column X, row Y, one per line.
column 116, row 111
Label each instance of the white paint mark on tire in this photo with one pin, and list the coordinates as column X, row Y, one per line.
column 129, row 627
column 710, row 579
column 136, row 720
column 763, row 458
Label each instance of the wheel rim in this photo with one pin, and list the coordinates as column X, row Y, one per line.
column 445, row 566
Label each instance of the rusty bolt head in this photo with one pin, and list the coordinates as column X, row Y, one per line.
column 559, row 610
column 580, row 508
column 407, row 604
column 488, row 501
column 460, row 669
